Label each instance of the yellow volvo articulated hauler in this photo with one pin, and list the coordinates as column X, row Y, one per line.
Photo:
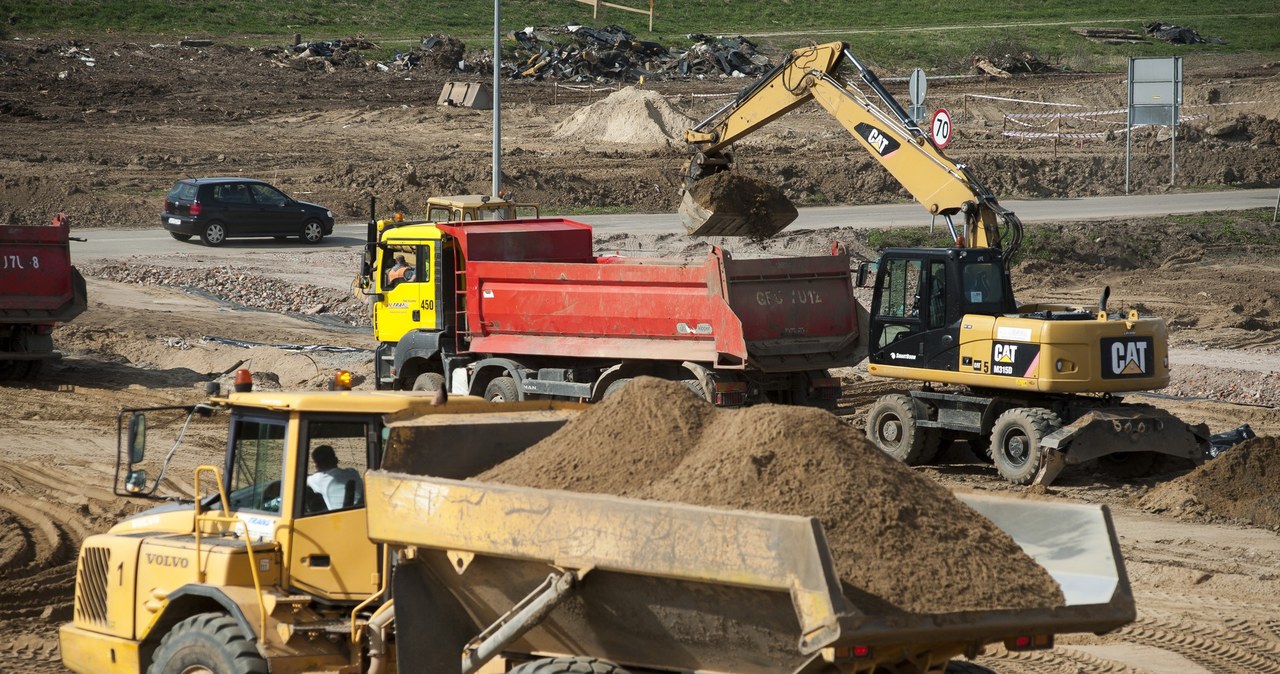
column 290, row 564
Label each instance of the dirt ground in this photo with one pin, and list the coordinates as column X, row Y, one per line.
column 103, row 142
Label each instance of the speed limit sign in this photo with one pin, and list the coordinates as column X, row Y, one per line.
column 941, row 128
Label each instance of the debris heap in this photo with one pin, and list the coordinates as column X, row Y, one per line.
column 901, row 543
column 1242, row 483
column 628, row 115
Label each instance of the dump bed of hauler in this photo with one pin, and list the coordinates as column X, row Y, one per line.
column 680, row 587
column 535, row 287
column 37, row 281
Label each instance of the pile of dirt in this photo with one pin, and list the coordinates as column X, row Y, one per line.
column 632, row 116
column 900, row 541
column 1243, row 483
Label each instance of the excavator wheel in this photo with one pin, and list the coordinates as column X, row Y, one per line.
column 568, row 666
column 1015, row 442
column 891, row 426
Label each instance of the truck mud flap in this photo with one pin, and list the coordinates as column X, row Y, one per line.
column 1110, row 431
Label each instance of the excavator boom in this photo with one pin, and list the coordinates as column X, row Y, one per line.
column 883, row 128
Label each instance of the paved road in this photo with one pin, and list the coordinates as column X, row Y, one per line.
column 109, row 244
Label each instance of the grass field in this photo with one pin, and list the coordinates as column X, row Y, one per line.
column 902, row 33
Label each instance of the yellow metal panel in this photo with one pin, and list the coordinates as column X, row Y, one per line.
column 91, row 653
column 330, row 555
column 105, row 584
column 166, row 564
column 586, row 531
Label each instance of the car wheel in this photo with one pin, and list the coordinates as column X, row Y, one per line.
column 180, row 237
column 214, row 234
column 312, row 231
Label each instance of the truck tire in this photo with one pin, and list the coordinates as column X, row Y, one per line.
column 502, row 390
column 568, row 666
column 614, row 387
column 214, row 234
column 891, row 426
column 207, row 643
column 1015, row 442
column 312, row 231
column 429, row 381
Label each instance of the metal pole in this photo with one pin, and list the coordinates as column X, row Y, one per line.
column 497, row 102
column 1276, row 214
column 1128, row 127
column 1173, row 143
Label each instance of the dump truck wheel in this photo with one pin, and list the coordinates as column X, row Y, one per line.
column 614, row 387
column 891, row 426
column 214, row 234
column 502, row 390
column 1126, row 465
column 179, row 236
column 429, row 381
column 568, row 666
column 1015, row 442
column 208, row 643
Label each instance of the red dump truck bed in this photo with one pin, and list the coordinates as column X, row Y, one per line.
column 37, row 282
column 534, row 287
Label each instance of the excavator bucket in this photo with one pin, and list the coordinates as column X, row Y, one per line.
column 727, row 204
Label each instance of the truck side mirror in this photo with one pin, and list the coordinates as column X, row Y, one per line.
column 866, row 271
column 137, row 437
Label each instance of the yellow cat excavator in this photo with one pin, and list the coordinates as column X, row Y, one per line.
column 1034, row 387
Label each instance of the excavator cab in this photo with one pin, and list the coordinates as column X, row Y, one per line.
column 922, row 295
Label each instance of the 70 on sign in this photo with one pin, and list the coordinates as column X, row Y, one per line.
column 941, row 128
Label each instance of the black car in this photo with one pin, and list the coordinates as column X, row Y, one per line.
column 216, row 209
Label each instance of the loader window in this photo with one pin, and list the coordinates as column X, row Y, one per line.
column 257, row 464
column 337, row 457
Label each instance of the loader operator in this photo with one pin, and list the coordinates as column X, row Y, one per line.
column 339, row 487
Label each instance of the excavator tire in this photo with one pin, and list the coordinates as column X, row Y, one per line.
column 1015, row 442
column 891, row 426
column 207, row 642
column 568, row 666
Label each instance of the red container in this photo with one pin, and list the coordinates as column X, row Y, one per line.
column 533, row 287
column 37, row 282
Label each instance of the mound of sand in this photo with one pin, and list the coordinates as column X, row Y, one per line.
column 900, row 542
column 1243, row 483
column 629, row 116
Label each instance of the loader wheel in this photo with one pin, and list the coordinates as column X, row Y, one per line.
column 429, row 381
column 891, row 426
column 207, row 643
column 502, row 390
column 568, row 666
column 1015, row 442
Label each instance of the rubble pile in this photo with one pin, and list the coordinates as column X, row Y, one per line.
column 326, row 55
column 238, row 287
column 1242, row 483
column 1178, row 34
column 581, row 54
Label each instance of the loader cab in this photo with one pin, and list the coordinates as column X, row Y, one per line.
column 922, row 296
column 468, row 207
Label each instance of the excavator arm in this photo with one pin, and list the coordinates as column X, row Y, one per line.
column 884, row 129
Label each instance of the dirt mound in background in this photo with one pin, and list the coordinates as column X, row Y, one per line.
column 1242, row 483
column 900, row 541
column 630, row 116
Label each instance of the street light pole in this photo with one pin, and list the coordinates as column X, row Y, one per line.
column 497, row 104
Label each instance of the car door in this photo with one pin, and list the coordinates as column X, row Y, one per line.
column 235, row 209
column 278, row 214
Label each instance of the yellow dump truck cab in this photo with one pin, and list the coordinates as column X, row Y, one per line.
column 274, row 560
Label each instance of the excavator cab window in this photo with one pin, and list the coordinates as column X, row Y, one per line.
column 985, row 289
column 897, row 300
